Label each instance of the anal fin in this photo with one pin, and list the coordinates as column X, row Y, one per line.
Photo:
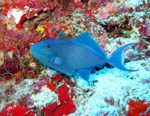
column 85, row 73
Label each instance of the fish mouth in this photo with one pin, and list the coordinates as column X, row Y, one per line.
column 33, row 48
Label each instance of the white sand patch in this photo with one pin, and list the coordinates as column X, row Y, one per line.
column 118, row 85
column 44, row 97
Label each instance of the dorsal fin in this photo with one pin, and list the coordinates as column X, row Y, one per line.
column 87, row 39
column 61, row 35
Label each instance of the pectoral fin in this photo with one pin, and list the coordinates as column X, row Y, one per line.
column 55, row 60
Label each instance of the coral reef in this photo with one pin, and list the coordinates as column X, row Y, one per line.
column 138, row 108
column 28, row 89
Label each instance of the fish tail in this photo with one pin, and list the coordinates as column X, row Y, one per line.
column 116, row 58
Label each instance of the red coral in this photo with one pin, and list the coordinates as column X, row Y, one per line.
column 57, row 77
column 63, row 93
column 19, row 25
column 67, row 105
column 6, row 9
column 51, row 86
column 91, row 13
column 49, row 109
column 88, row 12
column 137, row 108
column 65, row 108
column 77, row 3
column 51, row 30
column 16, row 110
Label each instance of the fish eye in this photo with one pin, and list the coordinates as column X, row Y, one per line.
column 48, row 46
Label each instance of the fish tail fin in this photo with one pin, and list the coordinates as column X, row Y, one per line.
column 116, row 58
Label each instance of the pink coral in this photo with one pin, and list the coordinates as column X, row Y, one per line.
column 103, row 40
column 29, row 3
column 107, row 10
column 102, row 1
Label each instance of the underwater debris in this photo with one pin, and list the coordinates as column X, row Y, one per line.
column 1, row 58
column 115, row 29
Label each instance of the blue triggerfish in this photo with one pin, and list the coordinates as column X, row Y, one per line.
column 80, row 55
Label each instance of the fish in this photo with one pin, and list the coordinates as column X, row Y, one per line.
column 79, row 55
